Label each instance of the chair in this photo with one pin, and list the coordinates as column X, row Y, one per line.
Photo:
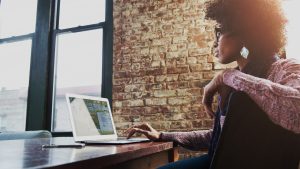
column 250, row 140
column 13, row 135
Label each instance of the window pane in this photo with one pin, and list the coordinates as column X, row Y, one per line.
column 81, row 12
column 292, row 12
column 17, row 17
column 14, row 75
column 79, row 70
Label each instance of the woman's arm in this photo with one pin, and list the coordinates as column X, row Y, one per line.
column 194, row 140
column 279, row 99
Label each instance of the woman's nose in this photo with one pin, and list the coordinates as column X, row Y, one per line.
column 215, row 44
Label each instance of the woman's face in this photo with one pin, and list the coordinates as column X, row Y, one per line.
column 227, row 47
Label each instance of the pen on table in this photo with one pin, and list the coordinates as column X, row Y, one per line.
column 63, row 146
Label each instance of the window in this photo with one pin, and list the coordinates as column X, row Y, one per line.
column 49, row 48
column 78, row 70
column 75, row 13
column 10, row 19
column 15, row 49
column 291, row 8
column 79, row 38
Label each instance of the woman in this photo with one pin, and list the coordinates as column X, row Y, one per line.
column 250, row 32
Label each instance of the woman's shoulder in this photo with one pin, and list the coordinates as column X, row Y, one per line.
column 287, row 64
column 283, row 67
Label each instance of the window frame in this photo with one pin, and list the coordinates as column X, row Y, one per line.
column 41, row 90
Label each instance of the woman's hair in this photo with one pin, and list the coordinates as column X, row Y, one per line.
column 260, row 24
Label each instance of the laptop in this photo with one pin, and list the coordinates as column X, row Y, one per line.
column 92, row 121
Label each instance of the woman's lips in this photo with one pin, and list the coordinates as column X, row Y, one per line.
column 216, row 53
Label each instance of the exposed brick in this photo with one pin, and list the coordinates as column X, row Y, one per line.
column 199, row 51
column 181, row 61
column 177, row 85
column 155, row 71
column 133, row 103
column 164, row 93
column 119, row 88
column 182, row 39
column 172, row 55
column 191, row 76
column 155, row 86
column 201, row 67
column 173, row 48
column 179, row 100
column 156, row 64
column 182, row 46
column 178, row 54
column 117, row 104
column 159, row 57
column 192, row 60
column 156, row 101
column 162, row 41
column 121, row 111
column 208, row 75
column 122, row 81
column 177, row 70
column 198, row 83
column 144, row 51
column 181, row 124
column 201, row 43
column 162, row 59
column 207, row 123
column 137, row 73
column 172, row 78
column 189, row 92
column 121, row 96
column 197, row 124
column 140, row 95
column 171, row 62
column 137, row 110
column 121, row 74
column 134, row 88
column 143, row 80
column 178, row 117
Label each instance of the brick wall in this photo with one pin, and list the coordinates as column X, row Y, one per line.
column 162, row 60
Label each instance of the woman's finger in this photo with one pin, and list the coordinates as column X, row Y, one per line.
column 130, row 133
column 207, row 102
column 137, row 130
column 144, row 126
column 209, row 110
column 128, row 130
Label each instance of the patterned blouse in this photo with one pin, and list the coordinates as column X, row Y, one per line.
column 278, row 96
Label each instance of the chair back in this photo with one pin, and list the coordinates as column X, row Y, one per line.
column 250, row 140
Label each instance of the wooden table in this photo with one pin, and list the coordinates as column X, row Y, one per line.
column 28, row 153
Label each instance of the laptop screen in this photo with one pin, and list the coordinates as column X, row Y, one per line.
column 91, row 117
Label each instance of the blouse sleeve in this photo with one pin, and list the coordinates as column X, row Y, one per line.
column 279, row 99
column 194, row 140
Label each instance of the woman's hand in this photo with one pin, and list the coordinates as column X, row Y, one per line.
column 214, row 86
column 145, row 129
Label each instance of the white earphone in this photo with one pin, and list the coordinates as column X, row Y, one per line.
column 244, row 52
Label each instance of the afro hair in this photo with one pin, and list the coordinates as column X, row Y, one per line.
column 259, row 23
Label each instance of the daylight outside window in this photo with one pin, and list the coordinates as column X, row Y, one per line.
column 75, row 13
column 291, row 9
column 15, row 49
column 78, row 55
